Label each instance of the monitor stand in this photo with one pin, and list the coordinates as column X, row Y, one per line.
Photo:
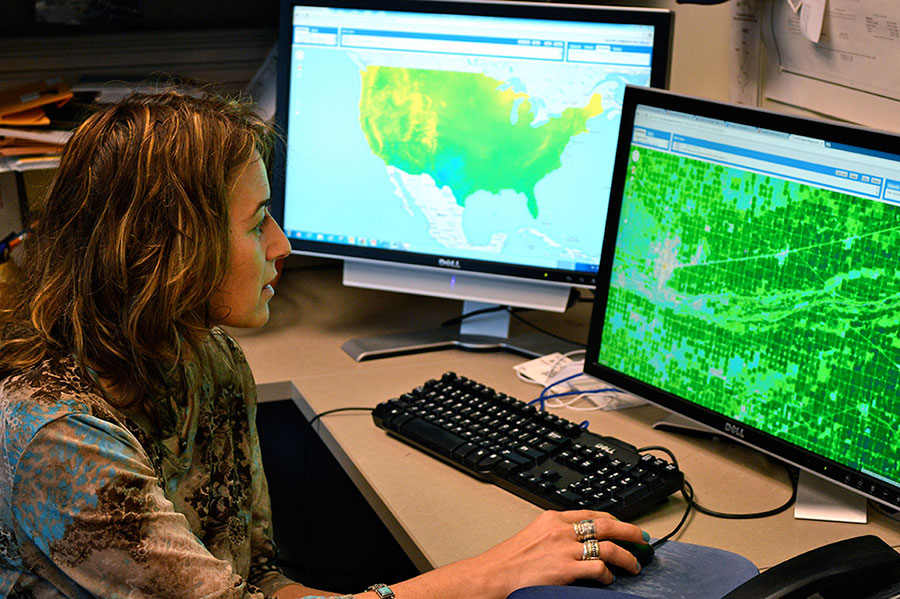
column 817, row 498
column 484, row 332
column 674, row 423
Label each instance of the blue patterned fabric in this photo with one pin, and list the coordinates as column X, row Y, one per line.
column 94, row 504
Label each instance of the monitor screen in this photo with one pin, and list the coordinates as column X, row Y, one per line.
column 750, row 281
column 458, row 138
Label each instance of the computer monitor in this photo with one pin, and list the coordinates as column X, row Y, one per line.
column 460, row 149
column 750, row 281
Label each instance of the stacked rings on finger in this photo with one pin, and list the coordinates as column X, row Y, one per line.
column 584, row 530
column 591, row 549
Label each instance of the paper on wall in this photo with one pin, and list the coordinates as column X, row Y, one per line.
column 812, row 15
column 851, row 73
column 746, row 51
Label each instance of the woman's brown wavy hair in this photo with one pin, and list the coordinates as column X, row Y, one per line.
column 131, row 241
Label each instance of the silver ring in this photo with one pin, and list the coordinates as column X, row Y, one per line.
column 591, row 549
column 584, row 530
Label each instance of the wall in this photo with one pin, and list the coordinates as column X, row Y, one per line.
column 227, row 57
column 701, row 49
column 700, row 64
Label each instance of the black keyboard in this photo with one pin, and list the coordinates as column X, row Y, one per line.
column 548, row 460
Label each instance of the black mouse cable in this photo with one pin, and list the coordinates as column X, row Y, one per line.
column 514, row 313
column 309, row 429
column 793, row 475
column 335, row 411
column 688, row 492
column 458, row 319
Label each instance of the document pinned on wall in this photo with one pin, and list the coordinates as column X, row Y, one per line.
column 850, row 73
column 812, row 17
column 746, row 16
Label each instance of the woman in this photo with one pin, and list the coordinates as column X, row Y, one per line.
column 130, row 464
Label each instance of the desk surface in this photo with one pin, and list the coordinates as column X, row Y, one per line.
column 440, row 515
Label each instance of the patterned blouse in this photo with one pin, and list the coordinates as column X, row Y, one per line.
column 93, row 504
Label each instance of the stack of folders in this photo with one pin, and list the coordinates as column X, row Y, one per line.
column 34, row 124
column 36, row 119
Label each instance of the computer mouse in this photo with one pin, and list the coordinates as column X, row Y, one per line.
column 642, row 551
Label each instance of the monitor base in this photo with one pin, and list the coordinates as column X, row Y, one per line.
column 675, row 423
column 485, row 332
column 819, row 499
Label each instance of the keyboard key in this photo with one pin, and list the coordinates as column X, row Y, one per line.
column 488, row 462
column 566, row 497
column 506, row 467
column 551, row 475
column 462, row 451
column 473, row 457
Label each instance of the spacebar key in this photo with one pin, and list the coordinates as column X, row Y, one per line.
column 431, row 436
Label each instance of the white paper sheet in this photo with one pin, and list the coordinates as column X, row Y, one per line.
column 745, row 53
column 851, row 73
column 812, row 16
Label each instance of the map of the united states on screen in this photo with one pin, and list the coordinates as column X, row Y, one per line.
column 506, row 160
column 466, row 130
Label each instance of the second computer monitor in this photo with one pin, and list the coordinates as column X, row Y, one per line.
column 750, row 280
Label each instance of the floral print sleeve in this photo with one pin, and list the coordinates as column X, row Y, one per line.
column 92, row 505
column 87, row 505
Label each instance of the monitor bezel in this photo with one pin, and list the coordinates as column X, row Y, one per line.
column 840, row 474
column 661, row 19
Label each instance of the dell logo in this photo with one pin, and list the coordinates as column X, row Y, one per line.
column 733, row 429
column 605, row 448
column 448, row 263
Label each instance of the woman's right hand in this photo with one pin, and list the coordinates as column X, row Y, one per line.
column 546, row 552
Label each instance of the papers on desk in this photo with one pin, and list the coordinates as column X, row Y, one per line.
column 571, row 388
column 850, row 72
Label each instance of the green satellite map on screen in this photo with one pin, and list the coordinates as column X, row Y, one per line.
column 764, row 299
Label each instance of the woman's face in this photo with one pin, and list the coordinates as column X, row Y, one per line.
column 256, row 242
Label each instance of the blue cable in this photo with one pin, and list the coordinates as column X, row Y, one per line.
column 543, row 397
column 565, row 393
